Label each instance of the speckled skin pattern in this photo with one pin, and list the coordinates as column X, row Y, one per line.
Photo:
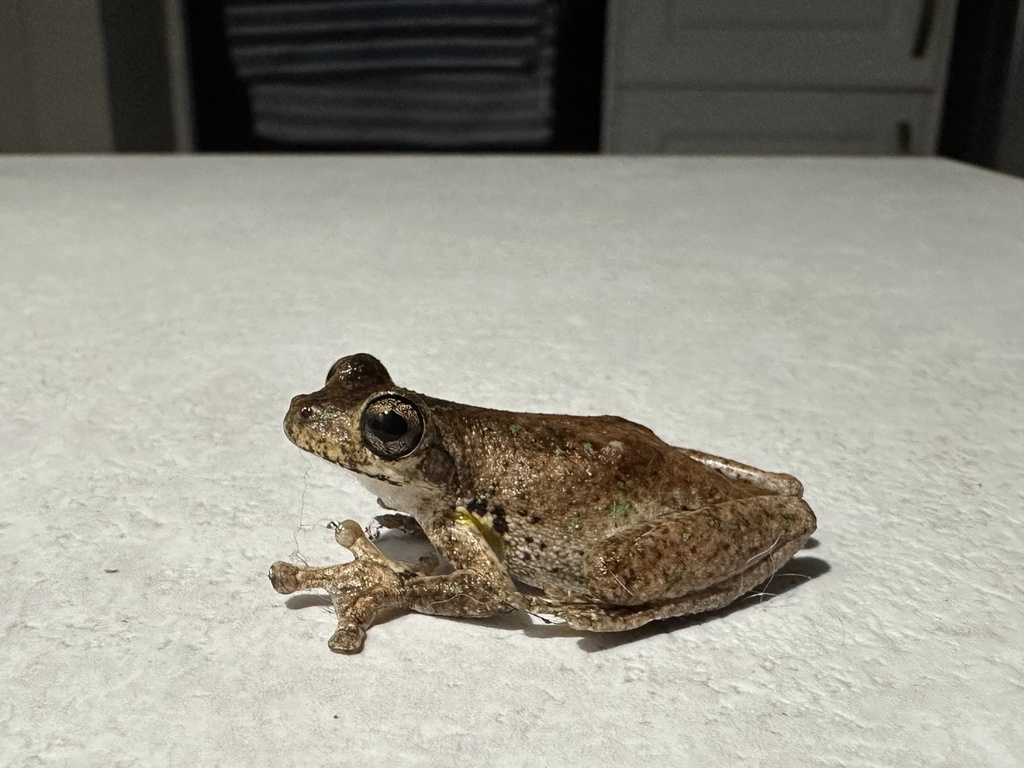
column 614, row 526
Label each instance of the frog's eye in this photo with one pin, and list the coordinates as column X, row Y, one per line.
column 362, row 367
column 334, row 369
column 392, row 426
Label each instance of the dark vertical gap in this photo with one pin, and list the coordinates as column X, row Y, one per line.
column 925, row 23
column 138, row 75
column 1009, row 152
column 904, row 138
column 222, row 120
column 975, row 92
column 578, row 75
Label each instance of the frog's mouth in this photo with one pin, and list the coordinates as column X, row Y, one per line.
column 380, row 477
column 319, row 431
column 328, row 451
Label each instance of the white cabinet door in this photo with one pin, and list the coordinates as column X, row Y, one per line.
column 870, row 44
column 652, row 121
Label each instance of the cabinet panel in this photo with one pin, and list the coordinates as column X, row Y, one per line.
column 773, row 14
column 655, row 121
column 781, row 43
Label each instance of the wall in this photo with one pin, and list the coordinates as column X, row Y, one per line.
column 93, row 76
column 53, row 80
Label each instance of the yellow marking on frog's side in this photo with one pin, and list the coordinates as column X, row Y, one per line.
column 486, row 529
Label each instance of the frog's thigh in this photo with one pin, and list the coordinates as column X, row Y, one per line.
column 690, row 551
column 600, row 617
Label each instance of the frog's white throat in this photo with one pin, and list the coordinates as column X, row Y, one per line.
column 404, row 497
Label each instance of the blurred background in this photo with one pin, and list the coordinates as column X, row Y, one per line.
column 850, row 77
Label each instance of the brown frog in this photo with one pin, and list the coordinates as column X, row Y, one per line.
column 613, row 526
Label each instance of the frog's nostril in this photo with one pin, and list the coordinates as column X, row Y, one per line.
column 306, row 412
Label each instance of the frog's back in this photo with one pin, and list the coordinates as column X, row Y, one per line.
column 575, row 462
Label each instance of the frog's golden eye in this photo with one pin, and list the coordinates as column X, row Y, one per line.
column 392, row 426
column 362, row 367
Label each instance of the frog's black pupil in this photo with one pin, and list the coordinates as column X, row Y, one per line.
column 389, row 426
column 392, row 426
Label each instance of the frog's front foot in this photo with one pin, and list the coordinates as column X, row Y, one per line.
column 359, row 590
column 287, row 578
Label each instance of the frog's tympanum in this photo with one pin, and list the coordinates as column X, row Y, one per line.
column 612, row 527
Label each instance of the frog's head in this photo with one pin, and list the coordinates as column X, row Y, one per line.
column 361, row 421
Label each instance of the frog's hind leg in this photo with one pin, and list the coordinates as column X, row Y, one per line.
column 689, row 561
column 598, row 618
column 773, row 482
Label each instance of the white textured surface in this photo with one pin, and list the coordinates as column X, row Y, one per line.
column 855, row 322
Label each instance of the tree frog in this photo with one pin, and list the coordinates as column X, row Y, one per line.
column 610, row 526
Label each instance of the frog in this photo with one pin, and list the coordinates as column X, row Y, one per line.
column 592, row 520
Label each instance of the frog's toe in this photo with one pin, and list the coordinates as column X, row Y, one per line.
column 284, row 577
column 351, row 536
column 347, row 638
column 347, row 533
column 604, row 618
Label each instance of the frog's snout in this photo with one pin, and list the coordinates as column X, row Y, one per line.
column 302, row 413
column 309, row 408
column 316, row 424
column 300, row 403
column 302, row 410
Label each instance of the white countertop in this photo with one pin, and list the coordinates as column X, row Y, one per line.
column 857, row 323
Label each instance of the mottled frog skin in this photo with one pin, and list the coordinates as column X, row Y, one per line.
column 615, row 527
